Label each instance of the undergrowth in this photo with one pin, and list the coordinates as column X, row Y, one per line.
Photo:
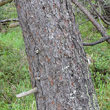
column 100, row 63
column 14, row 75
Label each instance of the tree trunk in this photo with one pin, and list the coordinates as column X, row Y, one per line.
column 54, row 49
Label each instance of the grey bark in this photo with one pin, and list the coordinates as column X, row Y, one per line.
column 54, row 49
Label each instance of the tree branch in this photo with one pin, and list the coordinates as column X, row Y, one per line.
column 96, row 42
column 91, row 18
column 8, row 20
column 12, row 25
column 108, row 23
column 3, row 2
column 27, row 93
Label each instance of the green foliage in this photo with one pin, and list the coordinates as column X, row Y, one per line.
column 14, row 75
column 100, row 64
column 8, row 11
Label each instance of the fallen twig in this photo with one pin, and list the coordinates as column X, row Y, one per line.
column 96, row 42
column 27, row 93
column 8, row 20
column 3, row 2
column 91, row 18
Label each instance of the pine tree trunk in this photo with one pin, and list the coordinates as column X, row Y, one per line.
column 54, row 49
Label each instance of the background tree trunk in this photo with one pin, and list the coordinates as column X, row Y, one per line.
column 54, row 49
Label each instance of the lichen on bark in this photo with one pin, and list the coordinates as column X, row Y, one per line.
column 60, row 65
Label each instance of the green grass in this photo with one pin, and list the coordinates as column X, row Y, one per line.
column 12, row 38
column 100, row 67
column 8, row 11
column 14, row 75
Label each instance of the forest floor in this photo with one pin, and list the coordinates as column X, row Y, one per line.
column 14, row 75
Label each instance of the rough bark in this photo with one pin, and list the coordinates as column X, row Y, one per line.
column 54, row 49
column 3, row 2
